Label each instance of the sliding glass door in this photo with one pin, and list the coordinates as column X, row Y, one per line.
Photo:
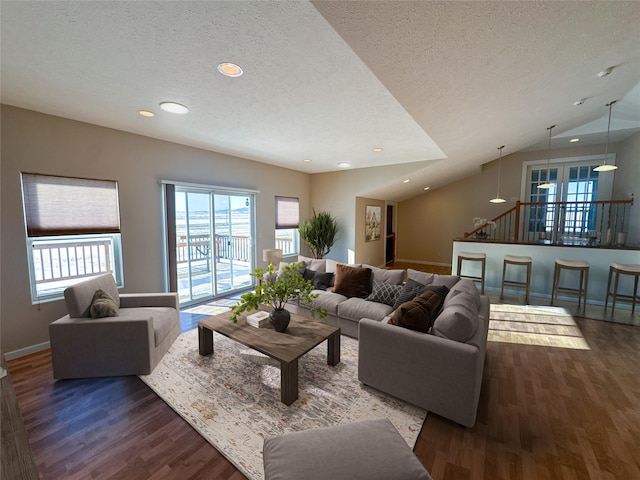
column 214, row 243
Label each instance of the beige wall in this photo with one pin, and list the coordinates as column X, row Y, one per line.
column 427, row 224
column 39, row 143
column 371, row 253
column 336, row 192
column 627, row 182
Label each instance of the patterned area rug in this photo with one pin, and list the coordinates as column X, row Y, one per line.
column 232, row 398
column 535, row 325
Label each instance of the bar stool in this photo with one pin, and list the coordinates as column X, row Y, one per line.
column 579, row 265
column 522, row 261
column 473, row 257
column 619, row 269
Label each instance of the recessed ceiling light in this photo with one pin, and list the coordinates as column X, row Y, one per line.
column 307, row 160
column 230, row 69
column 605, row 72
column 378, row 149
column 426, row 188
column 173, row 107
column 146, row 113
column 344, row 165
column 406, row 181
column 574, row 140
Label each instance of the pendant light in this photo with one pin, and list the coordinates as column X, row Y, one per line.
column 498, row 198
column 548, row 183
column 605, row 167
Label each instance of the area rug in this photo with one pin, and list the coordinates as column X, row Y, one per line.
column 535, row 325
column 232, row 398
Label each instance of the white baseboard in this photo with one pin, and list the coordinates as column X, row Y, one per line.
column 422, row 262
column 27, row 351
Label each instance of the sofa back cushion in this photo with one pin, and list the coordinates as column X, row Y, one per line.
column 456, row 322
column 78, row 297
column 383, row 275
column 352, row 281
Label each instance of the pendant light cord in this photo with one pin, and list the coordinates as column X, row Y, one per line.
column 499, row 170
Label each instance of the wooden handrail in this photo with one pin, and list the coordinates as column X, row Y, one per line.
column 516, row 209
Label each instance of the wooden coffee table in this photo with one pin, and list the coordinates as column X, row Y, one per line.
column 302, row 335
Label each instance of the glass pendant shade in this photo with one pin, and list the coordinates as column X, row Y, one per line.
column 606, row 167
column 498, row 198
column 548, row 183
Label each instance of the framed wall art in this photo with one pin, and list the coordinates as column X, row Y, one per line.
column 372, row 223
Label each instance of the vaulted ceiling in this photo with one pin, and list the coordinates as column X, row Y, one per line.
column 437, row 85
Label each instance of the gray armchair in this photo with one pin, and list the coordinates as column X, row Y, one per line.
column 130, row 344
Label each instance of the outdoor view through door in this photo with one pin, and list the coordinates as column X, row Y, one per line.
column 214, row 243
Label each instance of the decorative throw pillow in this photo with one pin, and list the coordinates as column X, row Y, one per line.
column 352, row 281
column 320, row 280
column 384, row 293
column 410, row 291
column 418, row 314
column 103, row 305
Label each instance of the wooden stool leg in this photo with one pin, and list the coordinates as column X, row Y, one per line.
column 580, row 287
column 635, row 294
column 606, row 300
column 586, row 288
column 528, row 283
column 554, row 292
column 615, row 293
column 484, row 267
column 459, row 266
column 504, row 273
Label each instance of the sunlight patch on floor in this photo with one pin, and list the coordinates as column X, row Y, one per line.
column 535, row 325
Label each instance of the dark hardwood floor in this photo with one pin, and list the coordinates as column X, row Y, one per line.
column 545, row 413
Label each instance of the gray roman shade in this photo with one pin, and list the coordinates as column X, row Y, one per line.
column 69, row 206
column 287, row 212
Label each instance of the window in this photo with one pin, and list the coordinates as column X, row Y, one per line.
column 574, row 182
column 73, row 232
column 287, row 221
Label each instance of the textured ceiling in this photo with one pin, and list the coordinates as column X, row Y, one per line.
column 438, row 85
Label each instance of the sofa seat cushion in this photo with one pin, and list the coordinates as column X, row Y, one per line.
column 357, row 308
column 328, row 300
column 163, row 318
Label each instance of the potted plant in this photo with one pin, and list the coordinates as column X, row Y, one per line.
column 319, row 233
column 276, row 290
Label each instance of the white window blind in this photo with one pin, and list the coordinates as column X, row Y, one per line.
column 69, row 206
column 287, row 212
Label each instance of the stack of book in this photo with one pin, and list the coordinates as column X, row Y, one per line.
column 258, row 319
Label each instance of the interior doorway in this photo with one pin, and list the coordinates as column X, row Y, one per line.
column 390, row 245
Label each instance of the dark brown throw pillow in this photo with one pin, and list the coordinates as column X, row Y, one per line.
column 418, row 314
column 103, row 305
column 352, row 281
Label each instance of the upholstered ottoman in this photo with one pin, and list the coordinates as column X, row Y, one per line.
column 367, row 450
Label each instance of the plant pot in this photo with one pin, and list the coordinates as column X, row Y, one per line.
column 279, row 319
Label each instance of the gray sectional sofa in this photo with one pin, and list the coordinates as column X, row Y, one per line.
column 440, row 371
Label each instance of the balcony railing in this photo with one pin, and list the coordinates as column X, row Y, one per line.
column 572, row 223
